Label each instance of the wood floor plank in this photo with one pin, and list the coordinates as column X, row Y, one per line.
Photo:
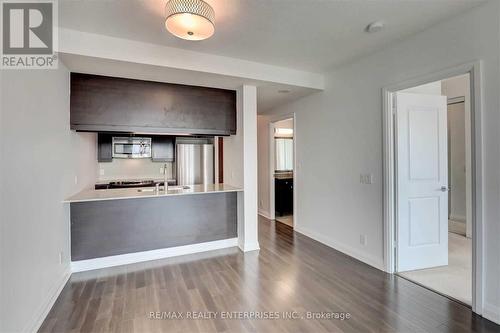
column 291, row 274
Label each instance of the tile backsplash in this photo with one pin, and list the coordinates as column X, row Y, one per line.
column 133, row 169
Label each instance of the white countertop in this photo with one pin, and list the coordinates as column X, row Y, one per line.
column 283, row 175
column 132, row 193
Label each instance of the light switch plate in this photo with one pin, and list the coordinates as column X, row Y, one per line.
column 366, row 178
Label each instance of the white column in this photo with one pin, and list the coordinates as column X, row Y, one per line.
column 247, row 200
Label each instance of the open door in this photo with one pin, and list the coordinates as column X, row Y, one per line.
column 422, row 181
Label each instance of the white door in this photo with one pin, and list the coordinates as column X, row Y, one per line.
column 422, row 181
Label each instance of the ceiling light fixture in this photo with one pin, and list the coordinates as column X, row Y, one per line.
column 190, row 19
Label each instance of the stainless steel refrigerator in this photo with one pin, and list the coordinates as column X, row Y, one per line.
column 195, row 163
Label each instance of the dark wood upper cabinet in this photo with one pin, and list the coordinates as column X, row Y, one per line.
column 162, row 149
column 109, row 104
column 104, row 147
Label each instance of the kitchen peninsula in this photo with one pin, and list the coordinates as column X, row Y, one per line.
column 148, row 134
column 115, row 222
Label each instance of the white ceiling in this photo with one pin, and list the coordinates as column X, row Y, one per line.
column 311, row 35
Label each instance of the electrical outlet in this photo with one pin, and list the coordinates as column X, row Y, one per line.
column 101, row 172
column 161, row 171
column 76, row 180
column 61, row 257
column 363, row 240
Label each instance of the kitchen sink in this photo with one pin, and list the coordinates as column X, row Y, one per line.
column 178, row 188
column 146, row 189
column 170, row 188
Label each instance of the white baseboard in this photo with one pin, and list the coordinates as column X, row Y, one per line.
column 457, row 227
column 131, row 258
column 249, row 247
column 265, row 214
column 457, row 218
column 492, row 312
column 367, row 259
column 37, row 321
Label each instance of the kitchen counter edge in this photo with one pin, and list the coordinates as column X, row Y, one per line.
column 133, row 193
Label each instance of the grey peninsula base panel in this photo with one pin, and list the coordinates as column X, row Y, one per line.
column 113, row 227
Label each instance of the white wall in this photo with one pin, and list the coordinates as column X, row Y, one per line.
column 133, row 169
column 263, row 164
column 3, row 305
column 40, row 159
column 72, row 42
column 233, row 153
column 433, row 88
column 456, row 162
column 240, row 166
column 340, row 136
column 287, row 123
column 460, row 87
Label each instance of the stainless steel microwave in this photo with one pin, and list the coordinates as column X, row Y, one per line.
column 131, row 147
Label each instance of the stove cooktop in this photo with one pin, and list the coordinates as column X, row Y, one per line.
column 126, row 184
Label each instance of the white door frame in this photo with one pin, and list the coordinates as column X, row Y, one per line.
column 389, row 164
column 272, row 206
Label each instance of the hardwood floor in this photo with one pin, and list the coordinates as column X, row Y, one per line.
column 290, row 273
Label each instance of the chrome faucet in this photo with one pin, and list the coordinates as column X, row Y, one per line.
column 165, row 178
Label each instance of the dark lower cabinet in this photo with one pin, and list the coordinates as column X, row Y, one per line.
column 114, row 227
column 283, row 192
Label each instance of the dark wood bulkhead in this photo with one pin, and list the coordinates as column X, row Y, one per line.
column 110, row 104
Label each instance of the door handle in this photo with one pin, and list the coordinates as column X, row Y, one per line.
column 444, row 189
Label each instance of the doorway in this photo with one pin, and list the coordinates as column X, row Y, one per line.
column 433, row 185
column 282, row 166
column 433, row 249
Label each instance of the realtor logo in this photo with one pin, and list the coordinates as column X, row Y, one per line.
column 28, row 34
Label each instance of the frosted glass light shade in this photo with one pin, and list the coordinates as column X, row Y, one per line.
column 190, row 19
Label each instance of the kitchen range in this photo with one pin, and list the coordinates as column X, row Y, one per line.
column 150, row 125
